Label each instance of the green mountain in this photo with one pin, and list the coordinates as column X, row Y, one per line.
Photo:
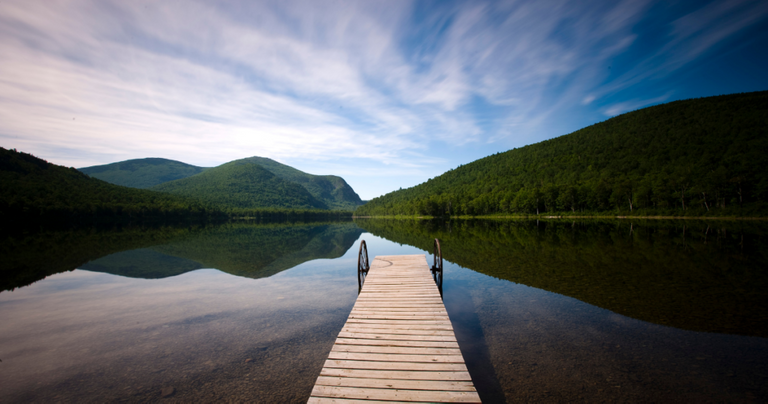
column 142, row 173
column 35, row 191
column 691, row 275
column 695, row 157
column 330, row 189
column 243, row 185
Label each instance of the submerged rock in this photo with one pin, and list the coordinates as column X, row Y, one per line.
column 167, row 391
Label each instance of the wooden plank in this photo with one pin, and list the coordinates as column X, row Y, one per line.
column 397, row 311
column 366, row 309
column 395, row 383
column 440, row 327
column 396, row 332
column 356, row 356
column 336, row 400
column 410, row 299
column 398, row 337
column 401, row 342
column 396, row 395
column 395, row 306
column 385, row 286
column 395, row 350
column 396, row 374
column 374, row 365
column 398, row 343
column 386, row 316
column 396, row 322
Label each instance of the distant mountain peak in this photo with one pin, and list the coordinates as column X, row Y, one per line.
column 325, row 191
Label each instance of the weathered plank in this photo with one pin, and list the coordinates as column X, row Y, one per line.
column 396, row 358
column 401, row 337
column 433, row 396
column 403, row 343
column 395, row 350
column 374, row 365
column 401, row 327
column 398, row 343
column 396, row 332
column 392, row 374
column 395, row 383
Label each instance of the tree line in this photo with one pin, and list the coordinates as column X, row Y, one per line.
column 695, row 157
column 33, row 190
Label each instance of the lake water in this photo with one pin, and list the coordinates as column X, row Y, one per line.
column 550, row 311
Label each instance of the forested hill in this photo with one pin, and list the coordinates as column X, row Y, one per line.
column 35, row 191
column 331, row 189
column 702, row 156
column 242, row 185
column 142, row 173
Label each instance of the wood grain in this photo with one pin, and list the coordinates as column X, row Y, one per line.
column 398, row 343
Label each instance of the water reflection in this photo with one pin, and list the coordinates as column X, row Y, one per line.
column 524, row 343
column 623, row 324
column 189, row 335
column 692, row 276
column 29, row 256
column 241, row 249
column 238, row 249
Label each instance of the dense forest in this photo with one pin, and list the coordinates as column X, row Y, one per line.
column 142, row 173
column 242, row 185
column 674, row 273
column 330, row 191
column 33, row 192
column 686, row 158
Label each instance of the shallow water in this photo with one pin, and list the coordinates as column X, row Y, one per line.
column 259, row 327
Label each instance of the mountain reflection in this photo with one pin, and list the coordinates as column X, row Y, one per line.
column 249, row 250
column 238, row 249
column 689, row 275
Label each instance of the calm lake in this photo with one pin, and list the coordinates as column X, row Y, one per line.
column 544, row 311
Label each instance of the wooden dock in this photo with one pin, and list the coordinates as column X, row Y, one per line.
column 397, row 344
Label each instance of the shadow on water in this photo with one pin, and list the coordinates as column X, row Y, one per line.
column 469, row 334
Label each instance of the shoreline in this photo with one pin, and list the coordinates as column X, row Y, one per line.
column 531, row 217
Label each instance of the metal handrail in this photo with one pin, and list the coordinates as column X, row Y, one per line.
column 362, row 258
column 437, row 257
column 363, row 265
column 437, row 266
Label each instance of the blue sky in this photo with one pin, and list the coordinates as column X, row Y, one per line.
column 386, row 94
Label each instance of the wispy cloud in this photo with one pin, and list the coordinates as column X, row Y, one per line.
column 688, row 38
column 631, row 105
column 376, row 87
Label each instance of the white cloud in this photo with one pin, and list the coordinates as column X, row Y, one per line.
column 322, row 81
